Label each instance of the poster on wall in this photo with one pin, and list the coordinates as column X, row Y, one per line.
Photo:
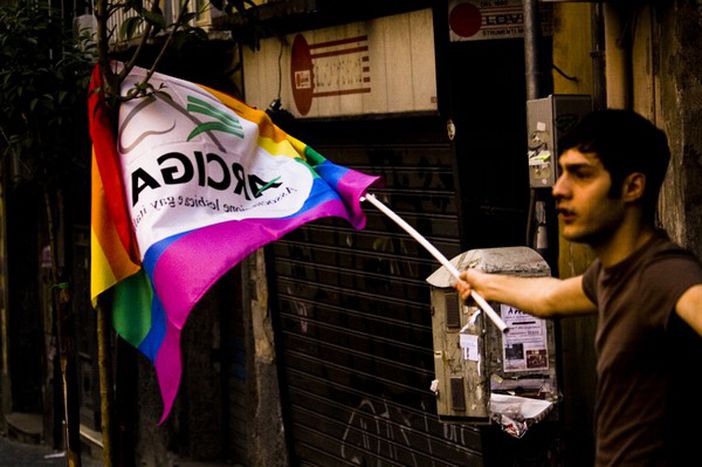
column 384, row 65
column 525, row 346
column 476, row 20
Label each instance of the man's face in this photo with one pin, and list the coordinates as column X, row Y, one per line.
column 588, row 213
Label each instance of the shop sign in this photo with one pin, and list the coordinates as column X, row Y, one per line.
column 385, row 65
column 474, row 20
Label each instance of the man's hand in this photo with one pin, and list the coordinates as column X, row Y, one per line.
column 470, row 280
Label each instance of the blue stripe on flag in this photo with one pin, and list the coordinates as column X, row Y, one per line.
column 152, row 342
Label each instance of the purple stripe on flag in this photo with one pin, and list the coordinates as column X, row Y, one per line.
column 351, row 186
column 169, row 368
column 196, row 260
column 193, row 263
column 183, row 271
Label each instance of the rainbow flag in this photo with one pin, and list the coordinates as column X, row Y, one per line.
column 186, row 184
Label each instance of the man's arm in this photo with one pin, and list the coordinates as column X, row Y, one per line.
column 539, row 296
column 689, row 307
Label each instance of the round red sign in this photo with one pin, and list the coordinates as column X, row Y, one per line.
column 301, row 74
column 465, row 19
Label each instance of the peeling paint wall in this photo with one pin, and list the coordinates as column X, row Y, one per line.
column 679, row 112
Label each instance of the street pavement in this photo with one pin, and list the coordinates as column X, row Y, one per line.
column 16, row 454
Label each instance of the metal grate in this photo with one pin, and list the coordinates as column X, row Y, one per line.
column 355, row 316
column 458, row 393
column 453, row 318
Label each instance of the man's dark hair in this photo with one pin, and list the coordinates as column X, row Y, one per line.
column 625, row 142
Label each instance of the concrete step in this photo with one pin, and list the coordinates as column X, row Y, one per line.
column 25, row 427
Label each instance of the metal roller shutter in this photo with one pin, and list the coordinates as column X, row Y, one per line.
column 355, row 317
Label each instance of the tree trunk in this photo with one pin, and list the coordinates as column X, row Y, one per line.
column 105, row 370
column 65, row 330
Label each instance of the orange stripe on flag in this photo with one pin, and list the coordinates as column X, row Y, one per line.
column 110, row 262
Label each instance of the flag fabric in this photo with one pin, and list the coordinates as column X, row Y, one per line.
column 187, row 183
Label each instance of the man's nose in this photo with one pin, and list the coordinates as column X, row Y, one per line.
column 559, row 189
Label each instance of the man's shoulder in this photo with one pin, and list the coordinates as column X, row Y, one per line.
column 662, row 248
column 669, row 268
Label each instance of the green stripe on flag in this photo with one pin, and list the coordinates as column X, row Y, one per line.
column 131, row 308
column 313, row 157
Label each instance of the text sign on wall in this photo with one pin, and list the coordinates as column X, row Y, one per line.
column 328, row 69
column 384, row 65
column 474, row 20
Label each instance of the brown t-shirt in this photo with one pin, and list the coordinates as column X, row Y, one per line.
column 648, row 360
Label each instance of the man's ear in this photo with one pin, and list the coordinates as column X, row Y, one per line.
column 633, row 187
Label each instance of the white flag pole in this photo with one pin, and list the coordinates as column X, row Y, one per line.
column 436, row 254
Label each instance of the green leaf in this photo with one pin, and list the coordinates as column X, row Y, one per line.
column 129, row 27
column 187, row 17
column 199, row 34
column 155, row 19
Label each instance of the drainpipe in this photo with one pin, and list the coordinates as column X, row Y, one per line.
column 534, row 84
column 618, row 55
column 532, row 56
column 599, row 85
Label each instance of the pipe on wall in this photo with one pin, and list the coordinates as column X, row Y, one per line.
column 618, row 21
column 532, row 55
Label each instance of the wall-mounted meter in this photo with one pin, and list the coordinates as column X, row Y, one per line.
column 483, row 375
column 547, row 120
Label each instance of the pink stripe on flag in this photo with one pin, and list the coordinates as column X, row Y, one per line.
column 192, row 263
column 351, row 187
column 169, row 368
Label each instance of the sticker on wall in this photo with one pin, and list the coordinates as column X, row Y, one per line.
column 525, row 346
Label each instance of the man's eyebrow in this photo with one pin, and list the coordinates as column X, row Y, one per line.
column 575, row 165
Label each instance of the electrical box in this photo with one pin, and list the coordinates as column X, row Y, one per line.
column 547, row 120
column 482, row 373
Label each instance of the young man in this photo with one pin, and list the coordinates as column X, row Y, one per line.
column 646, row 290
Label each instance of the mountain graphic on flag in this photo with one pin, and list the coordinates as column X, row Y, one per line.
column 190, row 183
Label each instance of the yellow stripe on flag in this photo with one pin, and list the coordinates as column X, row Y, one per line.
column 109, row 261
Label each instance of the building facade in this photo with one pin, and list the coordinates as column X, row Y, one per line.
column 318, row 350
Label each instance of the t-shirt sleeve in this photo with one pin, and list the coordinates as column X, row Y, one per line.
column 590, row 281
column 667, row 279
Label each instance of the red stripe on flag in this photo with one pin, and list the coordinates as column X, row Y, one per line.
column 107, row 158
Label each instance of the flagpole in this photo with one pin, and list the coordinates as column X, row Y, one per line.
column 501, row 325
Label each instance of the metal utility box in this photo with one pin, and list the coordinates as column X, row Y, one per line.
column 548, row 119
column 477, row 366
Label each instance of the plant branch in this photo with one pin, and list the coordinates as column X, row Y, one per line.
column 110, row 81
column 144, row 38
column 167, row 44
